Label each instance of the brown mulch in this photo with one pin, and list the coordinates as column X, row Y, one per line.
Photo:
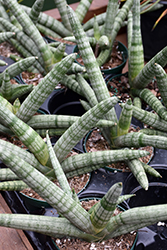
column 78, row 183
column 116, row 58
column 96, row 142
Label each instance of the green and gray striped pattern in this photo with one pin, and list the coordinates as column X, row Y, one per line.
column 136, row 53
column 60, row 176
column 161, row 78
column 99, row 18
column 138, row 171
column 137, row 139
column 50, row 23
column 87, row 90
column 31, row 30
column 18, row 67
column 148, row 72
column 111, row 12
column 35, row 10
column 61, row 6
column 93, row 70
column 25, row 133
column 55, row 196
column 78, row 129
column 39, row 94
column 6, row 35
column 152, row 101
column 150, row 119
column 125, row 118
column 6, row 174
column 6, row 88
column 101, row 158
column 103, row 211
column 82, row 9
column 23, row 39
column 12, row 185
column 150, row 170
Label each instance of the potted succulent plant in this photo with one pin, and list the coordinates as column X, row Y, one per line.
column 41, row 164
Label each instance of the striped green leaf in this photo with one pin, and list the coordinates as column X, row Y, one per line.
column 138, row 171
column 6, row 88
column 137, row 102
column 59, row 52
column 96, row 28
column 18, row 67
column 111, row 12
column 148, row 72
column 147, row 96
column 25, row 133
column 12, row 185
column 61, row 6
column 23, row 39
column 82, row 9
column 138, row 139
column 100, row 158
column 161, row 78
column 87, row 90
column 60, row 122
column 150, row 170
column 31, row 30
column 72, row 84
column 60, row 176
column 6, row 174
column 136, row 53
column 99, row 18
column 5, row 36
column 150, row 119
column 52, row 226
column 50, row 22
column 39, row 94
column 78, row 129
column 20, row 90
column 128, row 221
column 55, row 196
column 35, row 10
column 119, row 19
column 103, row 211
column 125, row 118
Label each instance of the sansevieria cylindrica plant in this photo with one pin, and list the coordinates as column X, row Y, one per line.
column 113, row 130
column 96, row 225
column 41, row 163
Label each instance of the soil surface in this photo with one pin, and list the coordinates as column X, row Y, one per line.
column 115, row 60
column 96, row 142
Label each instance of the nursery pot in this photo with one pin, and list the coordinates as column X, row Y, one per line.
column 34, row 205
column 64, row 102
column 154, row 236
column 156, row 39
column 50, row 212
column 116, row 70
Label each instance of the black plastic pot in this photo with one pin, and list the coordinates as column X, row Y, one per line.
column 156, row 39
column 69, row 48
column 154, row 236
column 64, row 102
